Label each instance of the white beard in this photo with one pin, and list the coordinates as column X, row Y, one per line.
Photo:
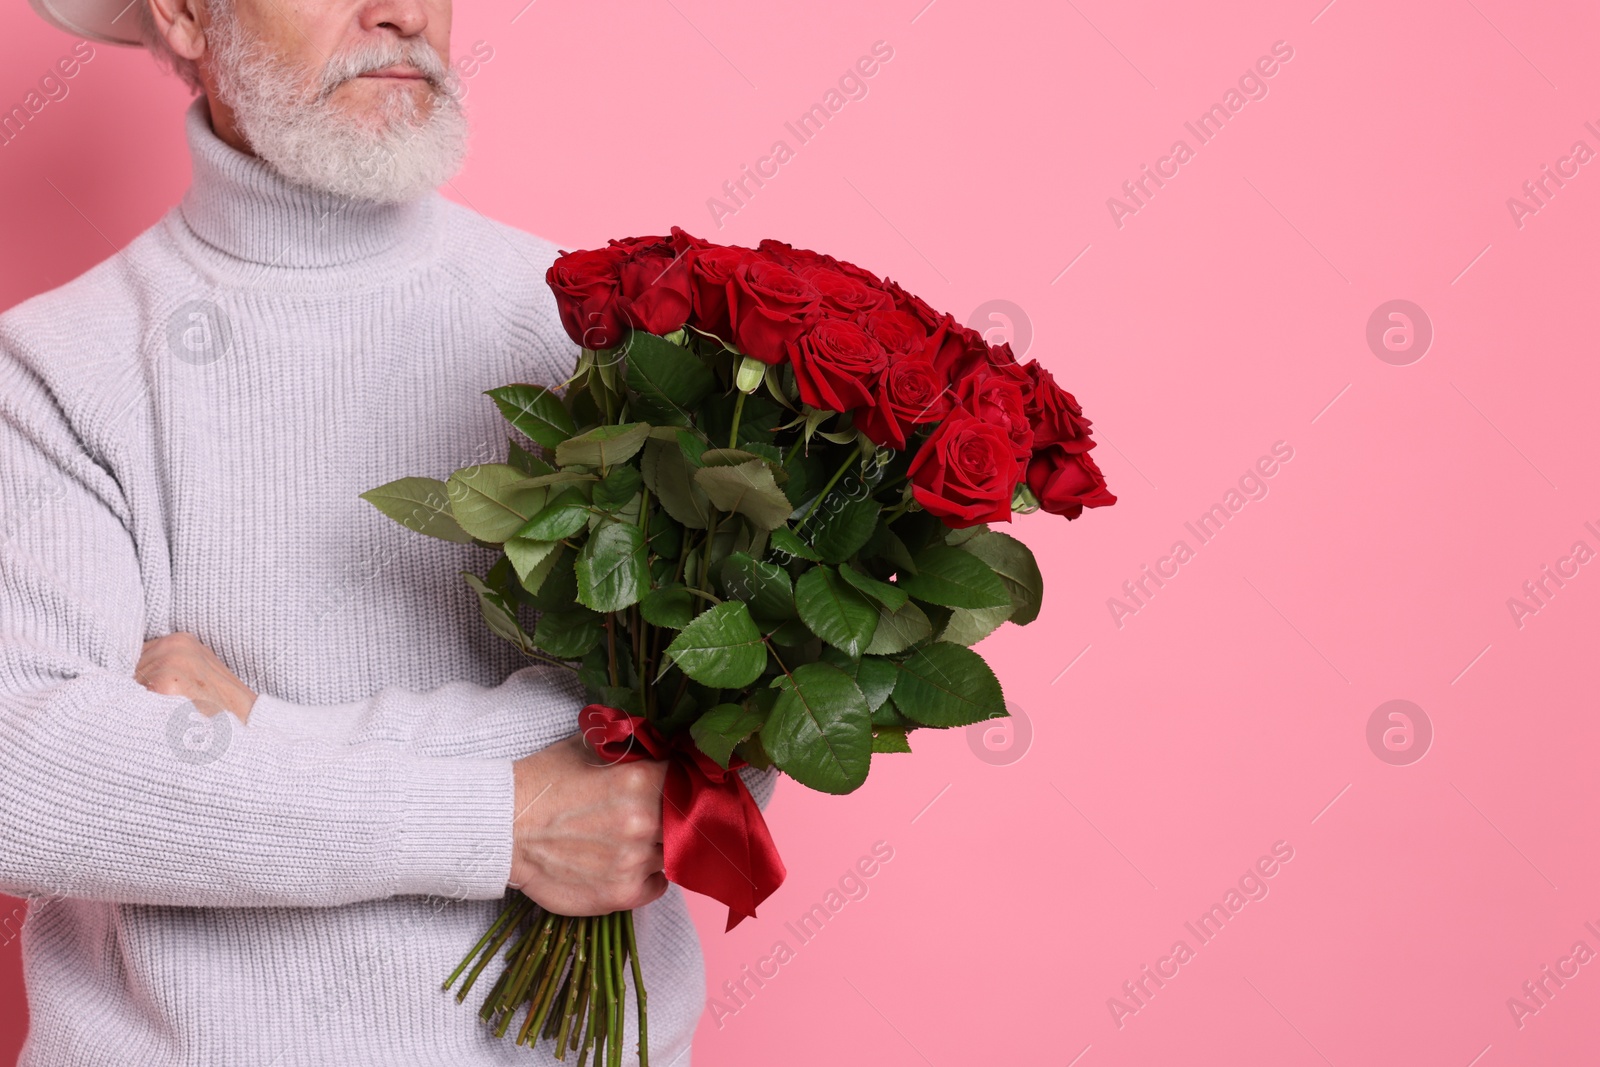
column 311, row 141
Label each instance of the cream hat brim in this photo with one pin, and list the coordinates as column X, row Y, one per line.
column 105, row 21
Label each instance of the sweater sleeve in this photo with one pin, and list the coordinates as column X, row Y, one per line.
column 111, row 792
column 531, row 709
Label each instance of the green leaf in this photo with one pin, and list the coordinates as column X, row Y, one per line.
column 562, row 517
column 885, row 545
column 569, row 634
column 746, row 489
column 820, row 731
column 901, row 630
column 556, row 479
column 947, row 685
column 525, row 461
column 1018, row 571
column 667, row 473
column 498, row 613
column 765, row 587
column 532, row 559
column 890, row 739
column 875, row 676
column 554, row 582
column 721, row 647
column 617, row 488
column 786, row 541
column 955, row 579
column 968, row 626
column 670, row 606
column 420, row 504
column 725, row 457
column 888, row 595
column 536, row 411
column 842, row 526
column 886, row 714
column 835, row 611
column 491, row 502
column 721, row 728
column 693, row 446
column 667, row 379
column 611, row 567
column 603, row 446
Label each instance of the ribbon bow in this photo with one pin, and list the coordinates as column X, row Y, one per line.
column 714, row 840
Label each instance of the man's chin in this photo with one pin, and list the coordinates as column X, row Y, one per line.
column 383, row 104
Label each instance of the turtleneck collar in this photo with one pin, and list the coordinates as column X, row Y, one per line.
column 241, row 206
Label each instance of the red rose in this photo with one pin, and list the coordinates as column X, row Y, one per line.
column 790, row 256
column 998, row 399
column 836, row 363
column 634, row 245
column 843, row 296
column 1057, row 419
column 656, row 291
column 909, row 393
column 966, row 472
column 683, row 240
column 586, row 289
column 769, row 305
column 1065, row 482
column 899, row 332
column 711, row 270
column 860, row 274
column 914, row 304
column 956, row 349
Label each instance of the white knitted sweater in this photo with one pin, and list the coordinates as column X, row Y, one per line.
column 185, row 430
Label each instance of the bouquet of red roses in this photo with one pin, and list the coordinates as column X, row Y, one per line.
column 754, row 522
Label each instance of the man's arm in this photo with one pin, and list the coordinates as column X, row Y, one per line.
column 111, row 791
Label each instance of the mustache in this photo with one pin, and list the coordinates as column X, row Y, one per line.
column 365, row 58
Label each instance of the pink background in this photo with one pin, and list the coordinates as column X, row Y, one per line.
column 1228, row 314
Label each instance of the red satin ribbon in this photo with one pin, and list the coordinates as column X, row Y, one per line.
column 714, row 839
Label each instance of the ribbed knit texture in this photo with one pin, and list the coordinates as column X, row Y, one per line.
column 184, row 432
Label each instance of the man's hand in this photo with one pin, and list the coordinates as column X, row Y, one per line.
column 587, row 836
column 179, row 665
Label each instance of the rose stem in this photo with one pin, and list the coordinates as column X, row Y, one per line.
column 522, row 974
column 573, row 1027
column 738, row 410
column 539, row 1006
column 854, row 458
column 552, row 1021
column 493, row 950
column 505, row 913
column 610, row 998
column 620, row 985
column 574, row 984
column 638, row 988
column 591, row 1025
column 491, row 1003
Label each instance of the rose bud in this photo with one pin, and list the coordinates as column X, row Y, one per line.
column 1065, row 482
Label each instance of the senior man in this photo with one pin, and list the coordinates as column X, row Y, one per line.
column 263, row 771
